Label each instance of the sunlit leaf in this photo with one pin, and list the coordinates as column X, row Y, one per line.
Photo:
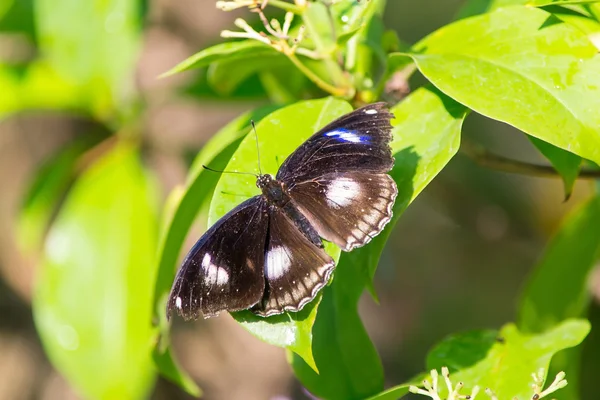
column 522, row 66
column 93, row 302
column 509, row 364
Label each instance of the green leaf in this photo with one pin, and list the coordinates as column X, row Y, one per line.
column 524, row 67
column 461, row 350
column 93, row 301
column 94, row 45
column 228, row 51
column 50, row 183
column 279, row 134
column 567, row 164
column 509, row 364
column 565, row 266
column 426, row 136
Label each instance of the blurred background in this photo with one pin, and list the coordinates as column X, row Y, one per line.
column 462, row 251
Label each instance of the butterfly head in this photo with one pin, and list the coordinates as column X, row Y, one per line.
column 274, row 190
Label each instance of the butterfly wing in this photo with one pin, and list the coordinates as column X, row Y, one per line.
column 224, row 269
column 338, row 179
column 295, row 267
column 348, row 209
column 358, row 141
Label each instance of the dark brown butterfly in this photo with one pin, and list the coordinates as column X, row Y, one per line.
column 267, row 254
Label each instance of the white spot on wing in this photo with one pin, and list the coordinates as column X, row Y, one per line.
column 278, row 262
column 341, row 192
column 178, row 302
column 345, row 135
column 371, row 112
column 213, row 273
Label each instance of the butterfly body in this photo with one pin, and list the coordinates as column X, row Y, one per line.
column 267, row 254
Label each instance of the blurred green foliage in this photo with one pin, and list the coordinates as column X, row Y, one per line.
column 92, row 209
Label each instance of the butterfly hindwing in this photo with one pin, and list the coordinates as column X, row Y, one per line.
column 348, row 209
column 224, row 269
column 358, row 141
column 295, row 268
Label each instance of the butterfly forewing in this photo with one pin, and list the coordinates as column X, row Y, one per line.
column 295, row 268
column 224, row 270
column 358, row 141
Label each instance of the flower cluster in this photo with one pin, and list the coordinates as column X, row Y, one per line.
column 432, row 388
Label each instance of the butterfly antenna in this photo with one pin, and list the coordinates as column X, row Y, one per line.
column 227, row 172
column 257, row 147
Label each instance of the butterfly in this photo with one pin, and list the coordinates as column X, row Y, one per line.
column 267, row 254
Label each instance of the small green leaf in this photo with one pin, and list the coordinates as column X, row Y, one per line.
column 510, row 362
column 279, row 134
column 522, row 66
column 228, row 51
column 93, row 301
column 567, row 164
column 565, row 266
column 461, row 350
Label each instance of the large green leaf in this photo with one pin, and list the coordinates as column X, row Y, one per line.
column 475, row 7
column 522, row 66
column 279, row 134
column 426, row 136
column 565, row 266
column 93, row 44
column 93, row 301
column 508, row 364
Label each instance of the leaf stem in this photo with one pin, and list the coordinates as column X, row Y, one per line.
column 486, row 159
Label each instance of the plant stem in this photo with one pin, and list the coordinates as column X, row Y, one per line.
column 340, row 92
column 496, row 162
column 286, row 6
